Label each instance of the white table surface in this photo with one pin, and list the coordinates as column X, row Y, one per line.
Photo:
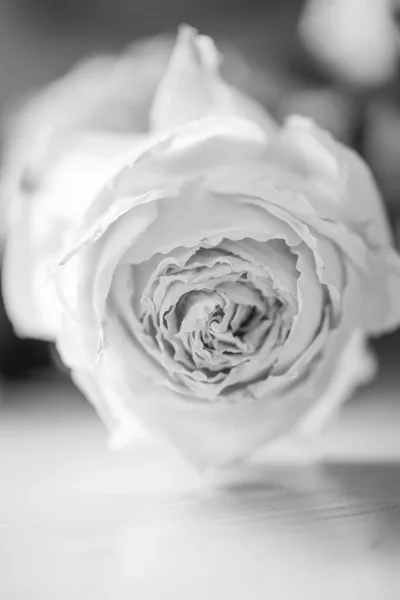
column 79, row 522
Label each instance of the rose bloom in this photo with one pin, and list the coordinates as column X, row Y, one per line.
column 215, row 275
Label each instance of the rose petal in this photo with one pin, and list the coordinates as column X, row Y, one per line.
column 39, row 227
column 83, row 281
column 355, row 366
column 192, row 88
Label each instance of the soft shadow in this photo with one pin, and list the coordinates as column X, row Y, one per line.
column 334, row 507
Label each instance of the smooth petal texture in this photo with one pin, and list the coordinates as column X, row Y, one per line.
column 30, row 304
column 83, row 283
column 81, row 115
column 192, row 88
column 356, row 366
column 107, row 94
column 165, row 163
column 335, row 179
column 41, row 224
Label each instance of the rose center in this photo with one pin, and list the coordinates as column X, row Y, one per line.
column 213, row 327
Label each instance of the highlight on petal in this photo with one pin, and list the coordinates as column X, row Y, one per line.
column 82, row 283
column 162, row 165
column 40, row 224
column 192, row 88
column 356, row 366
column 29, row 300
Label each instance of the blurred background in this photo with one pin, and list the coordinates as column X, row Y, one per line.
column 308, row 57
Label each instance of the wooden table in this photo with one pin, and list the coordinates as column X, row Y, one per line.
column 79, row 522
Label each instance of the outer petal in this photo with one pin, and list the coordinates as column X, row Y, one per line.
column 39, row 197
column 40, row 222
column 335, row 179
column 355, row 366
column 192, row 88
column 107, row 93
column 83, row 282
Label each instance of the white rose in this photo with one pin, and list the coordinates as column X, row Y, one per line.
column 216, row 277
